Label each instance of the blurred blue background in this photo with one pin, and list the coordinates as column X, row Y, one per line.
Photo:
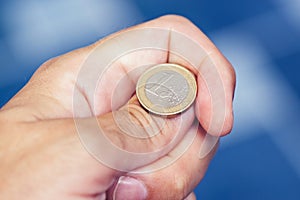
column 261, row 158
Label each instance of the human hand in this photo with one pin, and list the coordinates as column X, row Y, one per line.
column 42, row 156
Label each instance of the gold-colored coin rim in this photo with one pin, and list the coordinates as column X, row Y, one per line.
column 187, row 102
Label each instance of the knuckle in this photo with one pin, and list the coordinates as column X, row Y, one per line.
column 231, row 73
column 44, row 68
column 48, row 63
column 155, row 131
column 180, row 186
column 150, row 125
column 138, row 116
column 175, row 19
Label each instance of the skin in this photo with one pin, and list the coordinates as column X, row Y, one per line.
column 42, row 156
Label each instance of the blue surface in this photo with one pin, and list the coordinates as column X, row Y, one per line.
column 252, row 163
column 289, row 67
column 209, row 15
column 255, row 169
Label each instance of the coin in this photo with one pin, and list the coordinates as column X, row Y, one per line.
column 166, row 89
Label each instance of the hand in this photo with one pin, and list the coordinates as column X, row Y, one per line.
column 42, row 156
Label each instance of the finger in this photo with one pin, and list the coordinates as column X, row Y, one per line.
column 176, row 180
column 130, row 137
column 189, row 47
column 191, row 196
column 121, row 141
column 216, row 85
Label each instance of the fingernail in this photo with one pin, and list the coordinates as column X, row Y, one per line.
column 129, row 188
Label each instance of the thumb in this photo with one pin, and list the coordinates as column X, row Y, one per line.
column 131, row 137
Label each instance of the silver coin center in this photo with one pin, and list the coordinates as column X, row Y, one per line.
column 166, row 89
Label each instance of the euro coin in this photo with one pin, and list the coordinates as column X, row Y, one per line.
column 166, row 89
